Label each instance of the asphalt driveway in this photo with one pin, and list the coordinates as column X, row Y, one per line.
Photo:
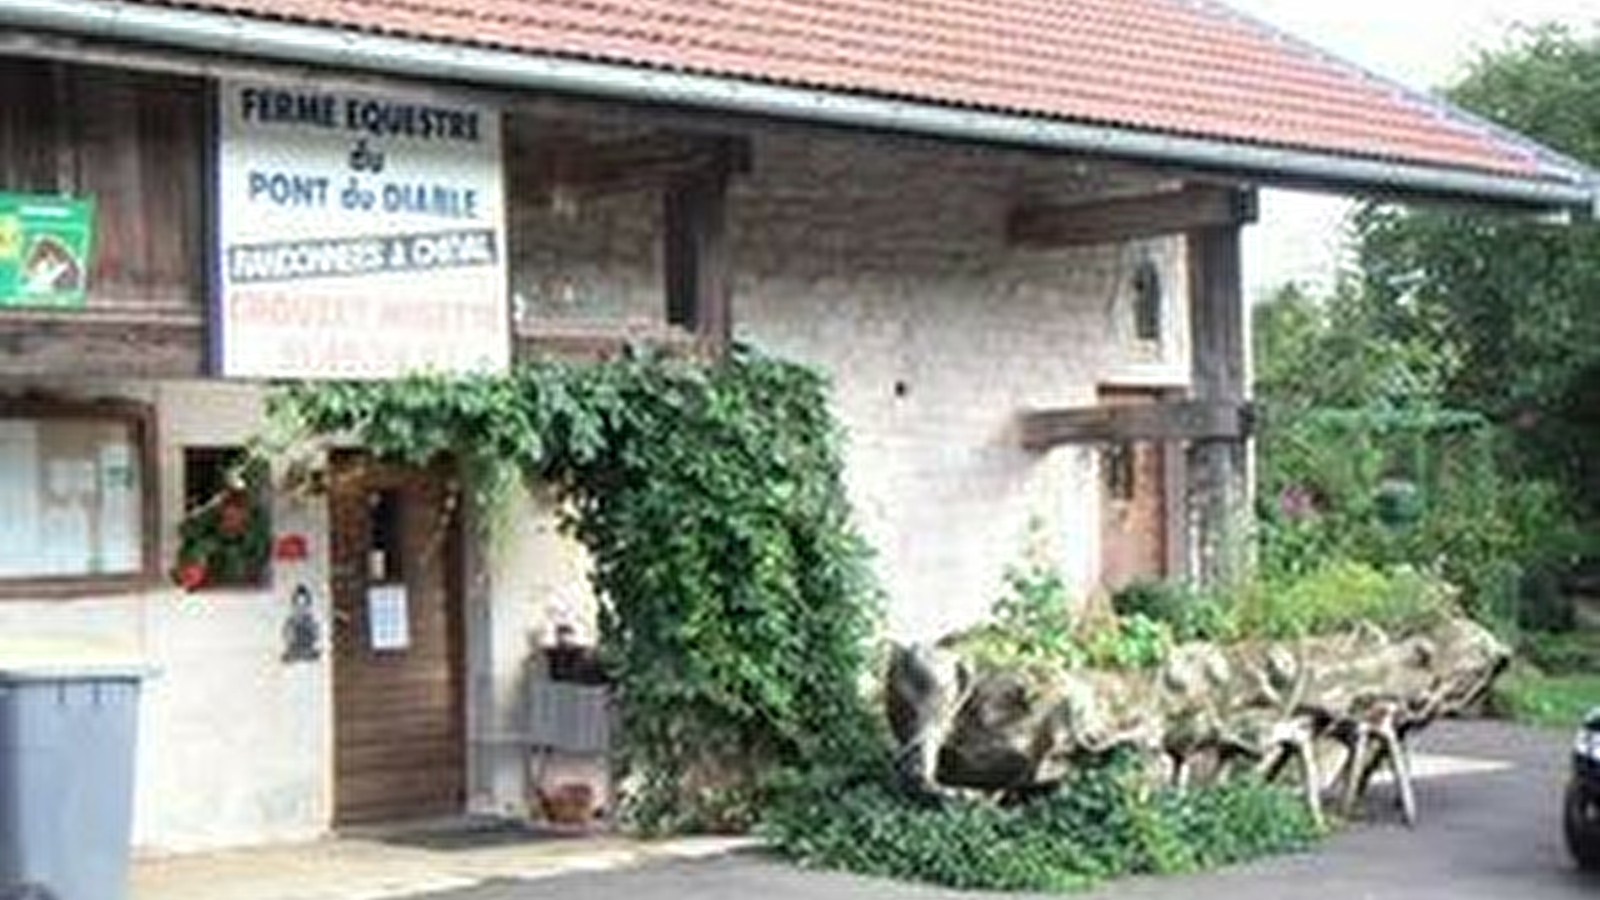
column 1490, row 830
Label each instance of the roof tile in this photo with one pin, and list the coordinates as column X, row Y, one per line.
column 1185, row 67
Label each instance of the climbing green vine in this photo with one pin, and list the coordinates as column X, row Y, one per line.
column 738, row 601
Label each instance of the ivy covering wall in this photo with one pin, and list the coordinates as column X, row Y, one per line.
column 737, row 599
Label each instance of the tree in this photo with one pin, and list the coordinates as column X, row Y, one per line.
column 1361, row 461
column 1518, row 298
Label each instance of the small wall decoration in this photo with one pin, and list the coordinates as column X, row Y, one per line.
column 45, row 247
column 291, row 548
column 301, row 633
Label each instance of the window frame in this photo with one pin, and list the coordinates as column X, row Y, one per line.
column 140, row 418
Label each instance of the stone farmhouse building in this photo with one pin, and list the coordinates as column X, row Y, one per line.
column 1010, row 233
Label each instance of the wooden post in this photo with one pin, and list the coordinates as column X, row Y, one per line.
column 1219, row 494
column 699, row 278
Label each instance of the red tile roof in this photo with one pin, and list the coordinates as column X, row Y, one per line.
column 1183, row 67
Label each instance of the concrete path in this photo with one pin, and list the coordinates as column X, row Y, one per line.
column 400, row 864
column 1490, row 830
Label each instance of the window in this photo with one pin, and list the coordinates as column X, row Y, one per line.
column 1147, row 301
column 76, row 496
column 384, row 530
column 1117, row 465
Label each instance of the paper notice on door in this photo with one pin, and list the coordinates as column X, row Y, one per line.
column 388, row 617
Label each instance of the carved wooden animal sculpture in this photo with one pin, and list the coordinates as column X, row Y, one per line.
column 1021, row 729
column 925, row 686
column 1240, row 702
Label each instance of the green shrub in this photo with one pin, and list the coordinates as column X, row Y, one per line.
column 1034, row 619
column 1103, row 823
column 1342, row 594
column 1561, row 653
column 1130, row 642
column 1193, row 613
column 1035, row 623
column 1557, row 701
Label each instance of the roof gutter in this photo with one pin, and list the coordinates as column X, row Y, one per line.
column 247, row 36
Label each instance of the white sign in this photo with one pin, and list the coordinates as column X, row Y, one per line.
column 361, row 235
column 388, row 617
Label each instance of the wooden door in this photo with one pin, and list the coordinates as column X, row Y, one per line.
column 1133, row 506
column 397, row 644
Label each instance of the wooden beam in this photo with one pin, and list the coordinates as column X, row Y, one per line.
column 1129, row 218
column 1184, row 420
column 543, row 162
column 699, row 277
column 596, row 344
column 102, row 347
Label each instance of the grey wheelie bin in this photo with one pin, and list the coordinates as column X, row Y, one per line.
column 67, row 731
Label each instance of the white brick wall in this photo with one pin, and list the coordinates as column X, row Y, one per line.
column 886, row 264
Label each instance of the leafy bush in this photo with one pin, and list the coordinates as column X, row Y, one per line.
column 1193, row 613
column 1556, row 701
column 1033, row 620
column 1365, row 456
column 1103, row 823
column 1342, row 594
column 1130, row 642
column 1562, row 653
column 1036, row 623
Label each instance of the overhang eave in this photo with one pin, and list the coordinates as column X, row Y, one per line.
column 1575, row 192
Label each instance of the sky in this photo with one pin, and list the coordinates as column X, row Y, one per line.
column 1421, row 43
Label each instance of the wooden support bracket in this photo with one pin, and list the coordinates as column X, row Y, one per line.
column 1130, row 218
column 1185, row 420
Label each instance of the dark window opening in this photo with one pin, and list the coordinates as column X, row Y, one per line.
column 1147, row 302
column 1118, row 470
column 384, row 531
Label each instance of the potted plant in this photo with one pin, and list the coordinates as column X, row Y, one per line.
column 224, row 541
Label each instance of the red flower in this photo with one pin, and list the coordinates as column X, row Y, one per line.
column 190, row 575
column 232, row 517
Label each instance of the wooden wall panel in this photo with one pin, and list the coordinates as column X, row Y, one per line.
column 28, row 126
column 136, row 141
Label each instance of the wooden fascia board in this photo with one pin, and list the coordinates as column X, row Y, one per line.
column 1119, row 219
column 1183, row 420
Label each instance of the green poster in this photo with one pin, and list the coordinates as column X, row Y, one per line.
column 45, row 242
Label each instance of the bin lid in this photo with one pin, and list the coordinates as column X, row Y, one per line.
column 62, row 659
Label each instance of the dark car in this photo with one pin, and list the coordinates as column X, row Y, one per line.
column 1583, row 796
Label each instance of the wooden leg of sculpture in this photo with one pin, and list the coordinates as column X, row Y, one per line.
column 1181, row 770
column 1352, row 770
column 1307, row 749
column 1400, row 764
column 1367, row 771
column 1275, row 763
